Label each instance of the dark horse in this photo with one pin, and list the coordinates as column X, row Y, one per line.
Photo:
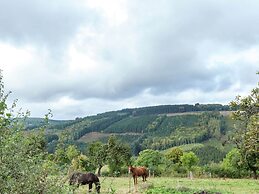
column 138, row 171
column 79, row 178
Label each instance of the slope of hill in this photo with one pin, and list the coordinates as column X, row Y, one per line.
column 157, row 127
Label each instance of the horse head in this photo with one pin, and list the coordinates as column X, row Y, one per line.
column 74, row 178
column 130, row 169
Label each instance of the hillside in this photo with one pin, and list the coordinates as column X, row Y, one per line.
column 157, row 127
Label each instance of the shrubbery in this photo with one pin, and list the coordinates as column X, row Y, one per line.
column 24, row 164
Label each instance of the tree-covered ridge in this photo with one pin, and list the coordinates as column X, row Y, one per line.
column 165, row 109
column 157, row 127
column 32, row 123
column 152, row 110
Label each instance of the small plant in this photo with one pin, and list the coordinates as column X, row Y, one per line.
column 112, row 190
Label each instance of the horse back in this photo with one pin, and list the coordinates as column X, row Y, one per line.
column 88, row 178
column 140, row 171
column 144, row 171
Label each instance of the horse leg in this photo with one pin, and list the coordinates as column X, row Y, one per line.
column 145, row 178
column 97, row 187
column 90, row 187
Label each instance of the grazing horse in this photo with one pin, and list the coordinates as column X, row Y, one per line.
column 79, row 178
column 138, row 171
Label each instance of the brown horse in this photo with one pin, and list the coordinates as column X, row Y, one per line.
column 138, row 171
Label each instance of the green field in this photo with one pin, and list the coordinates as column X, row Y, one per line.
column 123, row 185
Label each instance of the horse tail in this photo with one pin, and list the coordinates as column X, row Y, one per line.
column 145, row 169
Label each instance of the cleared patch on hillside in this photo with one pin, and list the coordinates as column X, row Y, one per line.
column 184, row 113
column 224, row 113
column 185, row 147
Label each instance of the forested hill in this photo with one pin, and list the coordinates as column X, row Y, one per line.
column 165, row 109
column 32, row 123
column 155, row 127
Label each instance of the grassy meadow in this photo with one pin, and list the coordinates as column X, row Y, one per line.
column 123, row 185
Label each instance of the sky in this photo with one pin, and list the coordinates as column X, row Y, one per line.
column 83, row 57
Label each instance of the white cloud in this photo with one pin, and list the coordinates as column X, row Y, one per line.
column 87, row 57
column 114, row 11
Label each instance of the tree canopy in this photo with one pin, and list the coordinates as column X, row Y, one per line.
column 247, row 138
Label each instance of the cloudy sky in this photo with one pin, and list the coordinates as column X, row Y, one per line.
column 82, row 57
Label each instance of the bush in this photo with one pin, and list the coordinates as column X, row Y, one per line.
column 217, row 170
column 176, row 170
column 24, row 165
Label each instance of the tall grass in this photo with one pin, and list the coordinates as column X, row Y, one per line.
column 123, row 185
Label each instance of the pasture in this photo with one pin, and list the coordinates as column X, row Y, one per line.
column 124, row 185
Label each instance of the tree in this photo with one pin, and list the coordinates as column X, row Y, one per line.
column 97, row 153
column 118, row 154
column 232, row 165
column 189, row 159
column 250, row 148
column 232, row 160
column 72, row 152
column 61, row 155
column 152, row 159
column 214, row 127
column 81, row 163
column 174, row 155
column 247, row 135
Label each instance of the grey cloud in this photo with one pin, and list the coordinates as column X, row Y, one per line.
column 168, row 39
column 47, row 23
column 162, row 47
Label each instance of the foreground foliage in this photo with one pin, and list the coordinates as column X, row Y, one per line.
column 247, row 138
column 23, row 160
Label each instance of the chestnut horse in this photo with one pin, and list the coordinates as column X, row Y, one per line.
column 138, row 171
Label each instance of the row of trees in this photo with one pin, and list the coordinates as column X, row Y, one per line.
column 175, row 162
column 114, row 153
column 117, row 156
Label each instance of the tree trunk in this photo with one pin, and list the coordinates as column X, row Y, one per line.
column 253, row 169
column 254, row 174
column 190, row 175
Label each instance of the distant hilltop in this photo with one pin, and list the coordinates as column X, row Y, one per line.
column 167, row 109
